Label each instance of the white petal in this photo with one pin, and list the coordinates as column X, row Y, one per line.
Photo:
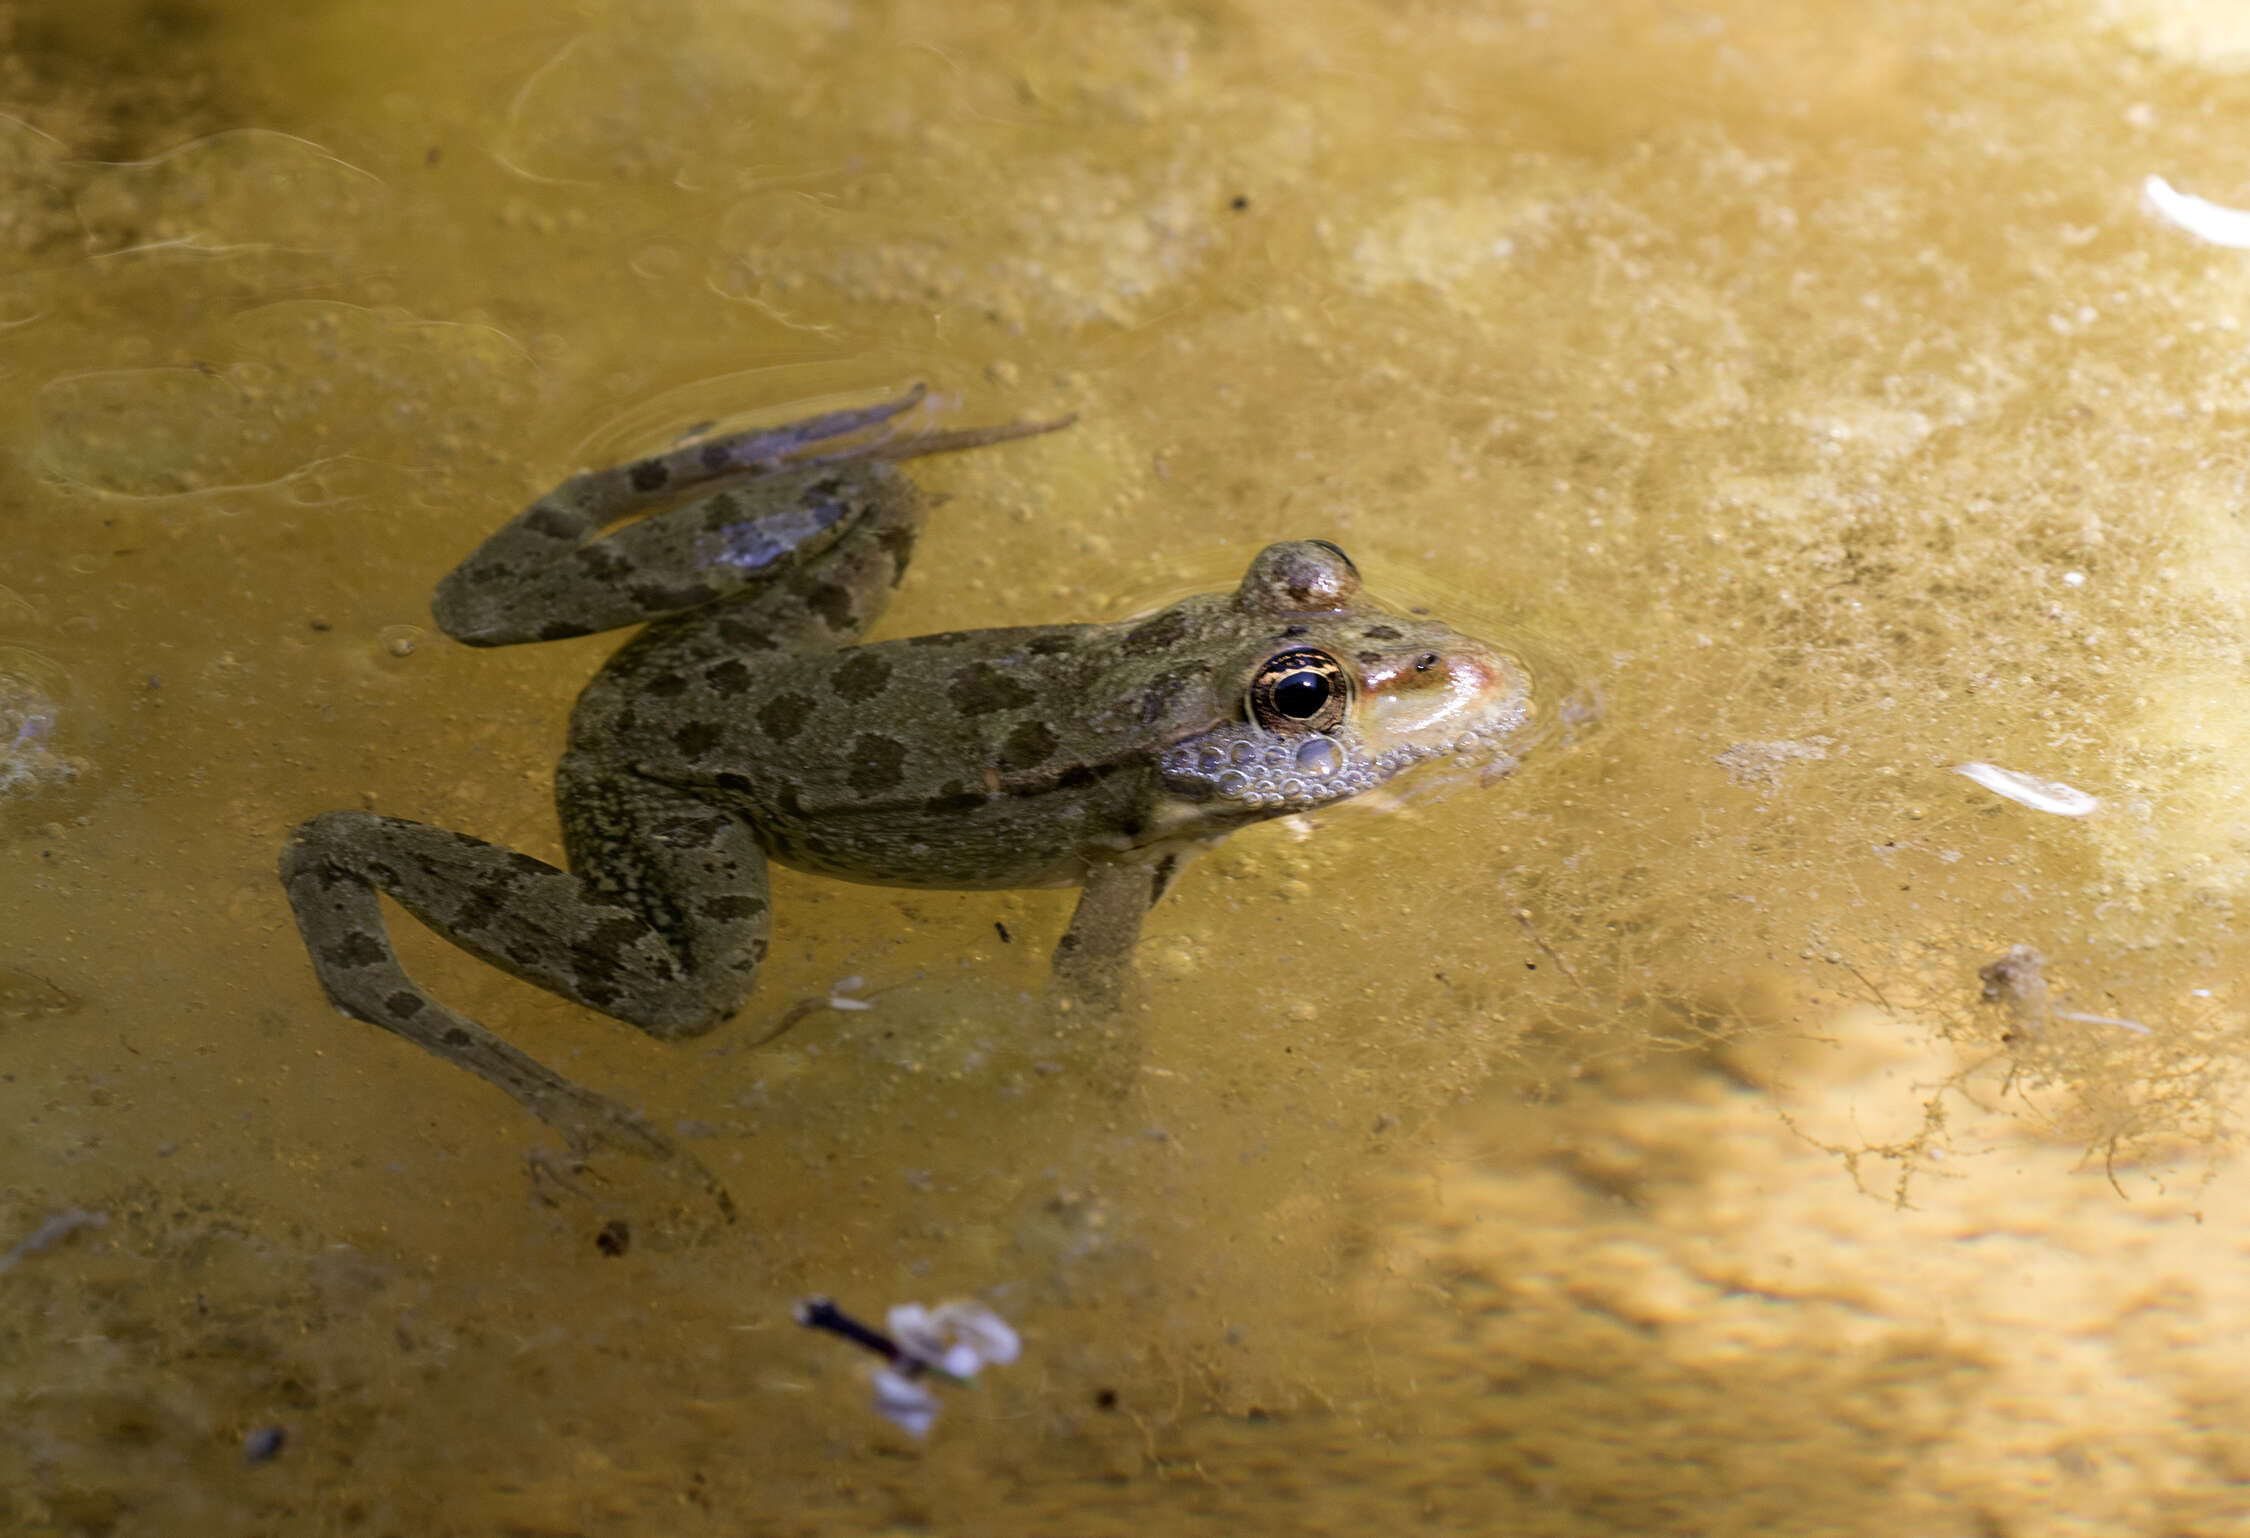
column 2214, row 222
column 981, row 1330
column 956, row 1338
column 2040, row 795
column 904, row 1402
column 918, row 1331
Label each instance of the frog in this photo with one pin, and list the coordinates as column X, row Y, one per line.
column 749, row 721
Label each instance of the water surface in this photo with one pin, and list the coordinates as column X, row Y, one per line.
column 1623, row 1147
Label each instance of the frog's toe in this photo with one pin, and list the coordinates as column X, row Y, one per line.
column 590, row 1122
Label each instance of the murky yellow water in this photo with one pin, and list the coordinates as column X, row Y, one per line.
column 1620, row 1149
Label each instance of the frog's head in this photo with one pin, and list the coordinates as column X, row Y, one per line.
column 1338, row 694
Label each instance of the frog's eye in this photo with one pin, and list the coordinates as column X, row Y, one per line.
column 1299, row 691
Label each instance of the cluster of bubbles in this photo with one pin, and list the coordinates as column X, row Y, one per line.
column 28, row 760
column 1261, row 771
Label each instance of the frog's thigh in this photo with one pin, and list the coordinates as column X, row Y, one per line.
column 690, row 873
column 677, row 976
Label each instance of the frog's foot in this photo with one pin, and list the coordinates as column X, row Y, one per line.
column 626, row 1198
column 589, row 1122
column 896, row 446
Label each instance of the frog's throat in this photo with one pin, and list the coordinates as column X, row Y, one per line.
column 1263, row 772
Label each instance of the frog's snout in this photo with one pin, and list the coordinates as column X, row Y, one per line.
column 1427, row 697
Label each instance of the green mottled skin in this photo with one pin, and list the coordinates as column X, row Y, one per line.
column 743, row 724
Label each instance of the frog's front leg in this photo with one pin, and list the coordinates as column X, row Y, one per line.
column 1094, row 958
column 662, row 926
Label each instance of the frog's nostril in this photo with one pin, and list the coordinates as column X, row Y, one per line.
column 1425, row 662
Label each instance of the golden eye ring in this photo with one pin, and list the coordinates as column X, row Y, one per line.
column 1299, row 691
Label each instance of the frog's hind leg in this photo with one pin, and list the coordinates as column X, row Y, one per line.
column 725, row 516
column 664, row 930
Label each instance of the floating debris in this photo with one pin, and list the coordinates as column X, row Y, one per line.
column 2214, row 222
column 2040, row 795
column 263, row 1444
column 2017, row 980
column 30, row 685
column 951, row 1342
column 841, row 996
column 2134, row 1026
column 55, row 1229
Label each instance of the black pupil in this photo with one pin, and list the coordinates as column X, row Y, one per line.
column 1300, row 695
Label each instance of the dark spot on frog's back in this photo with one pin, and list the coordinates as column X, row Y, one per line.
column 980, row 689
column 1162, row 633
column 1380, row 633
column 878, row 764
column 860, row 677
column 729, row 678
column 832, row 603
column 697, row 739
column 1028, row 746
column 1166, row 688
column 1053, row 645
column 601, row 561
column 649, row 475
column 784, row 716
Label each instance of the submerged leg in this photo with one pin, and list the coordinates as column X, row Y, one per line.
column 1094, row 958
column 665, row 930
column 724, row 516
